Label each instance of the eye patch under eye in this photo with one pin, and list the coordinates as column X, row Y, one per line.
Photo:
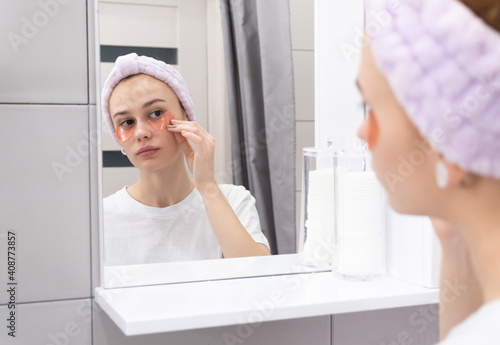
column 373, row 130
column 158, row 123
column 124, row 134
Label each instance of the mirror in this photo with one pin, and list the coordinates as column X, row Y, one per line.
column 187, row 35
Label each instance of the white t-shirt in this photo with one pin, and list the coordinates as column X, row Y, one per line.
column 481, row 328
column 138, row 234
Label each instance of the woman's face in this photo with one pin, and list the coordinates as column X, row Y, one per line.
column 141, row 107
column 402, row 159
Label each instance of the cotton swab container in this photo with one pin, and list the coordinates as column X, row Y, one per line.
column 359, row 217
column 317, row 211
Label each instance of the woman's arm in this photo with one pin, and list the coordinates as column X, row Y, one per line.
column 460, row 294
column 234, row 239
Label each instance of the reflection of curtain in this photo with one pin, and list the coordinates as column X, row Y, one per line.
column 262, row 112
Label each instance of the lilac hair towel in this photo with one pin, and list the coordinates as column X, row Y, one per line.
column 443, row 65
column 132, row 64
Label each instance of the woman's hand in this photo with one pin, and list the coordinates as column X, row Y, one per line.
column 233, row 238
column 200, row 159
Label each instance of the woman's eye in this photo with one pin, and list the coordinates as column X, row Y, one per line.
column 156, row 114
column 126, row 123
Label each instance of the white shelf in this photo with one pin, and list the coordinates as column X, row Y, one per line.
column 183, row 306
column 201, row 270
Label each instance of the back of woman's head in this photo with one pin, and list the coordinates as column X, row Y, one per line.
column 442, row 61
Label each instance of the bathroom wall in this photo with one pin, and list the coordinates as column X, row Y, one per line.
column 47, row 99
column 47, row 184
column 302, row 25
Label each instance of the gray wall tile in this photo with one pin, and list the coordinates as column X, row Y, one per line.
column 45, row 49
column 49, row 323
column 95, row 197
column 411, row 325
column 45, row 199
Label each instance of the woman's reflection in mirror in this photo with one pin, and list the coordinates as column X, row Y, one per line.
column 167, row 215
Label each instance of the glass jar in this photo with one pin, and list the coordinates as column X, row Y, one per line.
column 317, row 208
column 359, row 200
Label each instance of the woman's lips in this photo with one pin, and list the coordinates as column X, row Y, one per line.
column 147, row 151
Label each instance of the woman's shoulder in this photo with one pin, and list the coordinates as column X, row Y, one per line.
column 112, row 200
column 236, row 193
column 231, row 190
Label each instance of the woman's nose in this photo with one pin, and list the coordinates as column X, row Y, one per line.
column 142, row 130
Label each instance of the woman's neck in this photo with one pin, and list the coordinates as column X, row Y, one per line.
column 164, row 187
column 480, row 225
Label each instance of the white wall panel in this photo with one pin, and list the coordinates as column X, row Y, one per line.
column 302, row 24
column 44, row 52
column 138, row 25
column 193, row 54
column 94, row 53
column 45, row 199
column 114, row 179
column 303, row 68
column 305, row 138
column 339, row 110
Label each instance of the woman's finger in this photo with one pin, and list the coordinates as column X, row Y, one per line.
column 192, row 136
column 190, row 126
column 185, row 145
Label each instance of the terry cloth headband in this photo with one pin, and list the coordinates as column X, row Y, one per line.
column 443, row 65
column 132, row 64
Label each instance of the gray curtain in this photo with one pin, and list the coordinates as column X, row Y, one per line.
column 259, row 64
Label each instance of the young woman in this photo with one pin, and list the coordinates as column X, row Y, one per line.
column 430, row 76
column 166, row 215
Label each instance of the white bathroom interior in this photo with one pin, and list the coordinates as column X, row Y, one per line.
column 54, row 178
